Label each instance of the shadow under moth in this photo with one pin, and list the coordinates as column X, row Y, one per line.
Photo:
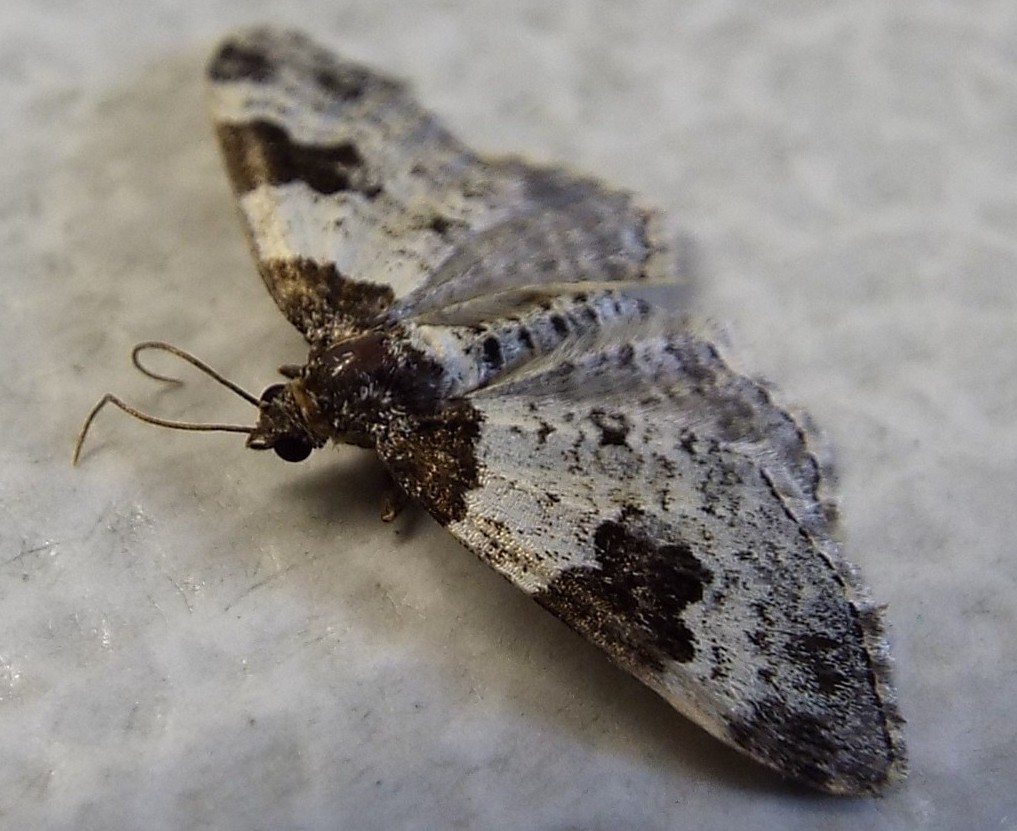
column 501, row 334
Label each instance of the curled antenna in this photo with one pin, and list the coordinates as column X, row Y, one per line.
column 109, row 398
column 193, row 361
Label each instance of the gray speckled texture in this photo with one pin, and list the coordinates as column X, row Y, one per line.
column 196, row 636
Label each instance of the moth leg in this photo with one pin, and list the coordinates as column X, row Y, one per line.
column 290, row 370
column 394, row 499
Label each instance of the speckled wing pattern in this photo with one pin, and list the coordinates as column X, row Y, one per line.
column 593, row 449
column 358, row 201
column 668, row 510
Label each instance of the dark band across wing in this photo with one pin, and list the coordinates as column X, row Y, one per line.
column 358, row 201
column 634, row 491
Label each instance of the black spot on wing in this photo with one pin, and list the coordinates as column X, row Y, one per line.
column 614, row 428
column 260, row 152
column 631, row 603
column 440, row 224
column 492, row 352
column 240, row 62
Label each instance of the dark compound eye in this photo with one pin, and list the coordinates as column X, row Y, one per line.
column 271, row 392
column 292, row 448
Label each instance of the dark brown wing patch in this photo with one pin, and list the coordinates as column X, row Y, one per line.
column 261, row 152
column 320, row 301
column 433, row 458
column 631, row 603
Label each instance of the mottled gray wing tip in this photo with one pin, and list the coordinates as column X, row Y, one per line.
column 871, row 617
column 874, row 761
column 817, row 474
column 252, row 54
column 261, row 55
column 858, row 750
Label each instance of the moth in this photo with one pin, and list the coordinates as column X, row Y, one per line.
column 500, row 334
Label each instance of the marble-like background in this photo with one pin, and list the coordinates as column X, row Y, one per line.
column 193, row 636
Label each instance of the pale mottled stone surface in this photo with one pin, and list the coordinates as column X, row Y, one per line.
column 196, row 636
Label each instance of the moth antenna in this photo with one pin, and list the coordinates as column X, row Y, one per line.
column 109, row 398
column 192, row 360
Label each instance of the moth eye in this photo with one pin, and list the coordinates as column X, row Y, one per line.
column 271, row 392
column 292, row 449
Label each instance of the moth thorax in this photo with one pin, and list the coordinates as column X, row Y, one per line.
column 363, row 356
column 350, row 381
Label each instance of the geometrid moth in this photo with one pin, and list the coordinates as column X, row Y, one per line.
column 495, row 330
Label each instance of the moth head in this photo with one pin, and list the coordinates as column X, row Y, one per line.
column 292, row 417
column 287, row 416
column 288, row 419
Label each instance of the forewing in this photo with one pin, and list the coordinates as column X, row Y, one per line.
column 358, row 201
column 665, row 508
